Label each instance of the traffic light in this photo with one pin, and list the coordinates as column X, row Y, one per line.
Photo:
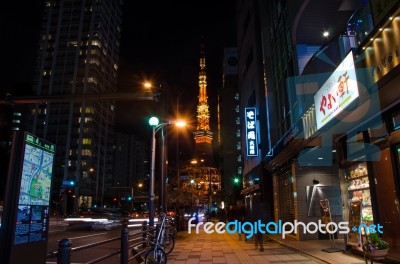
column 129, row 198
column 236, row 180
column 69, row 183
column 115, row 199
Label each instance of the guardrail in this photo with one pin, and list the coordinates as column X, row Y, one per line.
column 65, row 249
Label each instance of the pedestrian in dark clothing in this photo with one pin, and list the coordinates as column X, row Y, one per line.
column 258, row 213
column 221, row 215
column 240, row 216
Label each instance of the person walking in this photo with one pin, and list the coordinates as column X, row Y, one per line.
column 258, row 213
column 240, row 216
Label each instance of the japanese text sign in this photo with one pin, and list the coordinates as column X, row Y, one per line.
column 339, row 91
column 251, row 131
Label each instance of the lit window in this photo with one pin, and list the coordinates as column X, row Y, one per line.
column 92, row 80
column 238, row 133
column 86, row 152
column 237, row 97
column 237, row 120
column 94, row 61
column 237, row 108
column 87, row 141
column 239, row 146
column 96, row 43
column 89, row 110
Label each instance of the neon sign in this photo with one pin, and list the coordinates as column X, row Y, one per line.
column 251, row 132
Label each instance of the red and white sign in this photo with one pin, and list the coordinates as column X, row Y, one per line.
column 338, row 92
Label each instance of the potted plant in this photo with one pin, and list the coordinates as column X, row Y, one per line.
column 374, row 246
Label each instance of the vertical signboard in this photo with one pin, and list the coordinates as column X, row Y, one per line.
column 31, row 210
column 251, row 132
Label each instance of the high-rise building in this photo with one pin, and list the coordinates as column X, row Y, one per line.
column 229, row 126
column 131, row 168
column 78, row 54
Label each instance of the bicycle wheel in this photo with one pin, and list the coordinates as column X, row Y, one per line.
column 169, row 244
column 171, row 230
column 155, row 255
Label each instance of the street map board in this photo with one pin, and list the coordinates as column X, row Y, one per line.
column 34, row 195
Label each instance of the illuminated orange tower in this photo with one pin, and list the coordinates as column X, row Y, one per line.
column 203, row 136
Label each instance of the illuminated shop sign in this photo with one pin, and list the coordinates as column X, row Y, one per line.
column 339, row 91
column 251, row 131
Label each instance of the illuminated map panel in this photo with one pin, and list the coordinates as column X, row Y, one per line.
column 34, row 196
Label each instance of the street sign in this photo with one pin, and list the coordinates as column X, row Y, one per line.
column 29, row 201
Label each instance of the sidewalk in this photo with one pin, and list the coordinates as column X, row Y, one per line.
column 315, row 249
column 225, row 248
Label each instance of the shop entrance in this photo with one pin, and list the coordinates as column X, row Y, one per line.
column 387, row 197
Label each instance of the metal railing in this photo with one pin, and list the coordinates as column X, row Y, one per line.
column 137, row 245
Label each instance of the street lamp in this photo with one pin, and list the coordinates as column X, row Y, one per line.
column 155, row 123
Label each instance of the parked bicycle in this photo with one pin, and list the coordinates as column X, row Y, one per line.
column 163, row 244
column 170, row 226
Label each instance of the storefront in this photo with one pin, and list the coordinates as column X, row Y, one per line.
column 381, row 55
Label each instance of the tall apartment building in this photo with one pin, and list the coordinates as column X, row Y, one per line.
column 78, row 54
column 255, row 122
column 131, row 166
column 229, row 126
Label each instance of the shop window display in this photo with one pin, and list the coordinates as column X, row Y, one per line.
column 359, row 199
column 358, row 190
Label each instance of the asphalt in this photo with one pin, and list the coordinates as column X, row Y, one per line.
column 227, row 248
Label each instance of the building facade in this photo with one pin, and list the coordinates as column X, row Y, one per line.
column 78, row 54
column 253, row 103
column 229, row 127
column 334, row 127
column 131, row 166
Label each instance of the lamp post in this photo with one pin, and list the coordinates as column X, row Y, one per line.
column 155, row 123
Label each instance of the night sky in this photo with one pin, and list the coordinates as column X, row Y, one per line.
column 160, row 42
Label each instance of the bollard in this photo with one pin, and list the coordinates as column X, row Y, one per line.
column 144, row 235
column 124, row 245
column 64, row 251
